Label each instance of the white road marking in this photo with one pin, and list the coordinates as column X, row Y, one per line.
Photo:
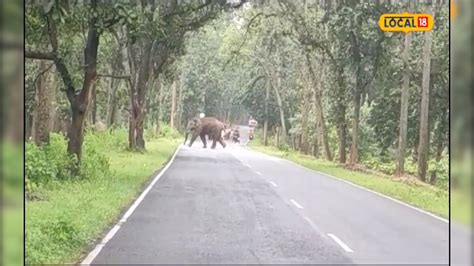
column 258, row 173
column 369, row 190
column 93, row 254
column 313, row 225
column 273, row 183
column 342, row 244
column 309, row 221
column 296, row 204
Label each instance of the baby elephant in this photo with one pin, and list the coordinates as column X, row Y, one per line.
column 205, row 126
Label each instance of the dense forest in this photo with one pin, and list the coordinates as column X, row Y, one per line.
column 111, row 85
column 320, row 74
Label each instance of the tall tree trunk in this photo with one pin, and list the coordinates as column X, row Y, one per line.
column 44, row 111
column 160, row 108
column 282, row 114
column 80, row 103
column 94, row 104
column 354, row 151
column 138, row 94
column 303, row 140
column 173, row 104
column 277, row 135
column 404, row 108
column 355, row 129
column 112, row 98
column 277, row 89
column 341, row 120
column 423, row 148
column 180, row 106
column 265, row 123
column 321, row 123
column 112, row 104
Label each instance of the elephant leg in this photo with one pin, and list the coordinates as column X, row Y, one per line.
column 221, row 141
column 213, row 144
column 203, row 139
column 193, row 138
column 214, row 138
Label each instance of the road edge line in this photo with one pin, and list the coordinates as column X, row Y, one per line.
column 366, row 189
column 93, row 254
column 296, row 204
column 340, row 243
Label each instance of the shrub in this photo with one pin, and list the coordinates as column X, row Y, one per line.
column 441, row 169
column 150, row 132
column 165, row 132
column 114, row 139
column 168, row 132
column 284, row 147
column 48, row 162
column 51, row 161
column 94, row 163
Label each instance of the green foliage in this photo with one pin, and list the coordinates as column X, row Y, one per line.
column 74, row 213
column 115, row 139
column 51, row 162
column 165, row 131
column 168, row 132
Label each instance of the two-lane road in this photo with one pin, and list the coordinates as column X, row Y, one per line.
column 235, row 205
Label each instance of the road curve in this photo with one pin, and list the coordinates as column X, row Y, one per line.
column 235, row 205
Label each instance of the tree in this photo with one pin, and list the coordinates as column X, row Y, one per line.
column 44, row 108
column 79, row 100
column 173, row 104
column 404, row 108
column 423, row 146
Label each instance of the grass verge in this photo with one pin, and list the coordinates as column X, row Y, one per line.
column 73, row 214
column 424, row 196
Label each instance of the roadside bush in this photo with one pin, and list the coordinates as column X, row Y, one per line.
column 441, row 169
column 168, row 132
column 114, row 139
column 374, row 164
column 284, row 147
column 165, row 132
column 94, row 163
column 150, row 132
column 51, row 162
column 48, row 162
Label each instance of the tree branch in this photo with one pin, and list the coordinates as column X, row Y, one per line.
column 39, row 55
column 185, row 10
column 114, row 76
column 252, row 83
column 42, row 73
column 244, row 40
column 376, row 60
column 59, row 62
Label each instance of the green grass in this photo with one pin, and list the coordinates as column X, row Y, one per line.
column 12, row 204
column 461, row 207
column 12, row 235
column 426, row 197
column 73, row 214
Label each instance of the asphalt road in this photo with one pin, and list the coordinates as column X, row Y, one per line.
column 235, row 205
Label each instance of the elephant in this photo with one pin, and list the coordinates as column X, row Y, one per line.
column 205, row 126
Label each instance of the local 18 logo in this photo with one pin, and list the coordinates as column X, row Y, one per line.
column 406, row 22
